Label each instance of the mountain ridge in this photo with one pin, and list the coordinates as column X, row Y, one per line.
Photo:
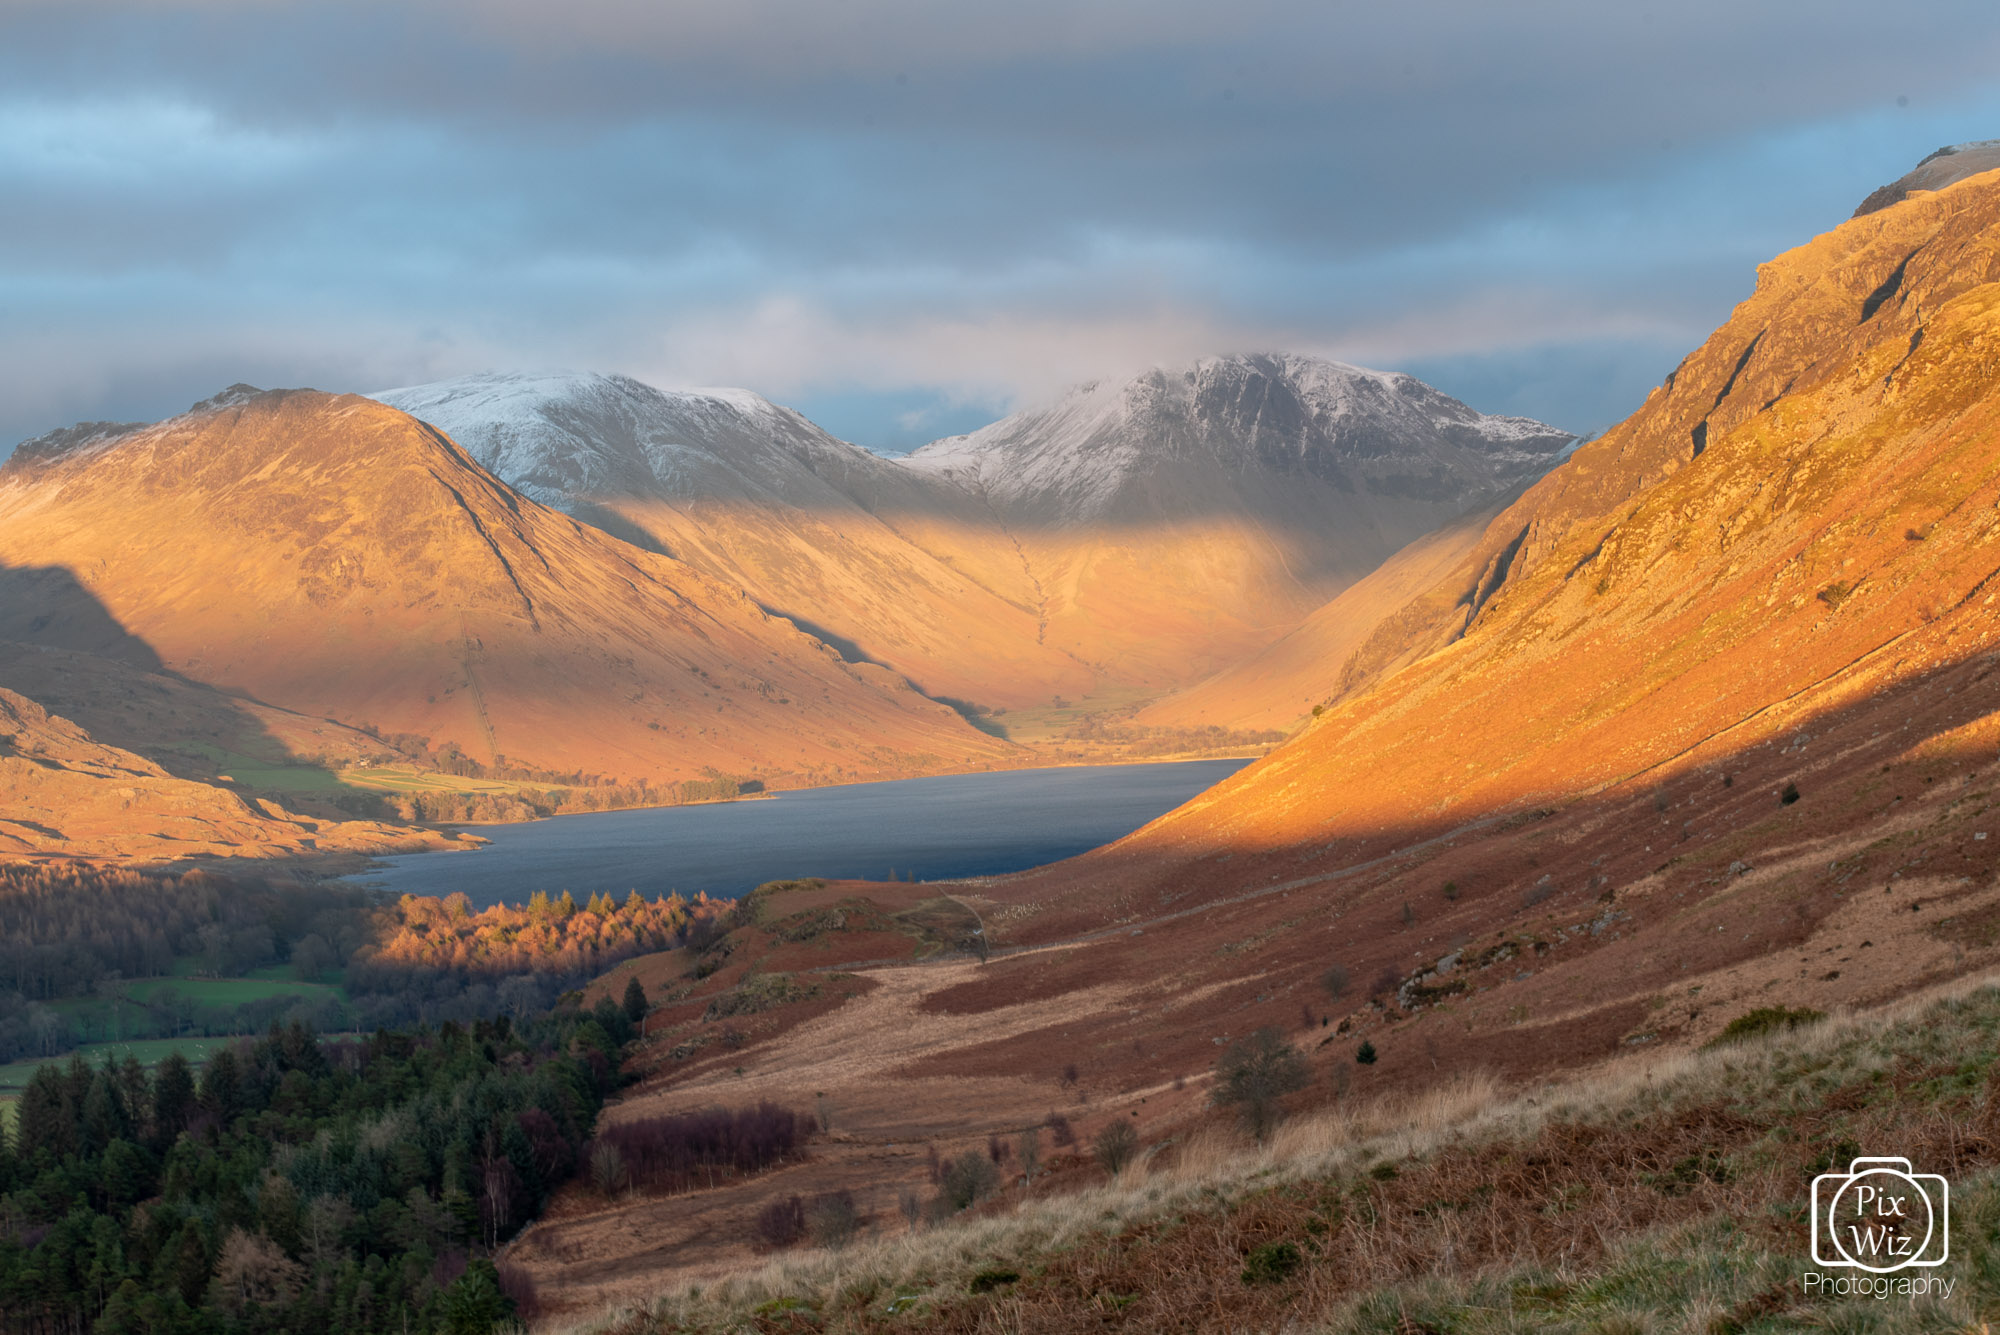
column 1224, row 520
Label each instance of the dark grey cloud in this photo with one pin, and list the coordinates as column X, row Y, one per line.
column 922, row 205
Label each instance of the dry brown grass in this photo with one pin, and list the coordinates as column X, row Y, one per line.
column 1418, row 1194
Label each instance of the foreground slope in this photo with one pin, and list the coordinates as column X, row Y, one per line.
column 1660, row 1194
column 335, row 557
column 1132, row 537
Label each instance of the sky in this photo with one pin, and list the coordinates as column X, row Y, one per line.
column 907, row 217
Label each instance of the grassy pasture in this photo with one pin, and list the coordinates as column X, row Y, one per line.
column 135, row 1016
column 14, row 1076
column 227, row 991
column 398, row 779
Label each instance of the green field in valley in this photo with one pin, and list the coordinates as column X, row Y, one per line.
column 14, row 1076
column 226, row 991
column 139, row 1009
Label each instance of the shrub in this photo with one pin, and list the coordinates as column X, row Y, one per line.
column 607, row 1167
column 1386, row 982
column 1764, row 1020
column 1272, row 1262
column 1116, row 1145
column 1451, row 889
column 1068, row 1077
column 1060, row 1130
column 1789, row 795
column 782, row 1222
column 833, row 1219
column 1334, row 981
column 758, row 993
column 966, row 1181
column 1028, row 1146
column 1409, row 914
column 1365, row 1054
column 1254, row 1074
column 519, row 1286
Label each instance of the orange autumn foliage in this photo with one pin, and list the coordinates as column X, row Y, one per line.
column 545, row 936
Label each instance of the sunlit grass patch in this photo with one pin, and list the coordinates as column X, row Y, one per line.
column 398, row 779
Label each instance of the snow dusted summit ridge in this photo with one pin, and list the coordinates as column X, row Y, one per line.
column 1161, row 440
column 1107, row 446
column 563, row 438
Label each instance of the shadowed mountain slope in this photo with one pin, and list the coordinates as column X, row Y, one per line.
column 335, row 557
column 1947, row 166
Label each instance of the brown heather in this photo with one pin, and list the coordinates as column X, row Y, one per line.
column 1668, row 1194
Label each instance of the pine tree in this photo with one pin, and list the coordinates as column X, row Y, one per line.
column 103, row 1118
column 635, row 1000
column 173, row 1100
column 222, row 1085
column 39, row 1123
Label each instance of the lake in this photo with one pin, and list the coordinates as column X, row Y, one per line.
column 930, row 829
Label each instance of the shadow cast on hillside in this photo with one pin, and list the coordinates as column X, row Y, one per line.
column 61, row 647
column 49, row 607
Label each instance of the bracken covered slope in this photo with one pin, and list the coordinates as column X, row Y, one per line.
column 336, row 557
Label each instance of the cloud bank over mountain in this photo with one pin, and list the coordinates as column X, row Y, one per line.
column 938, row 212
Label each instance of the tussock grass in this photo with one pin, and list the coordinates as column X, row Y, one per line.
column 1652, row 1195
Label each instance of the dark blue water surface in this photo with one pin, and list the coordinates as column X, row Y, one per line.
column 932, row 829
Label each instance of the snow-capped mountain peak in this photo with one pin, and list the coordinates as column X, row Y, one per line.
column 1074, row 459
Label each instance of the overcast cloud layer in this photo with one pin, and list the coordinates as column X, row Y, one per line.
column 904, row 216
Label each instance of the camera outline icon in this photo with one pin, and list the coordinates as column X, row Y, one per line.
column 1884, row 1175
